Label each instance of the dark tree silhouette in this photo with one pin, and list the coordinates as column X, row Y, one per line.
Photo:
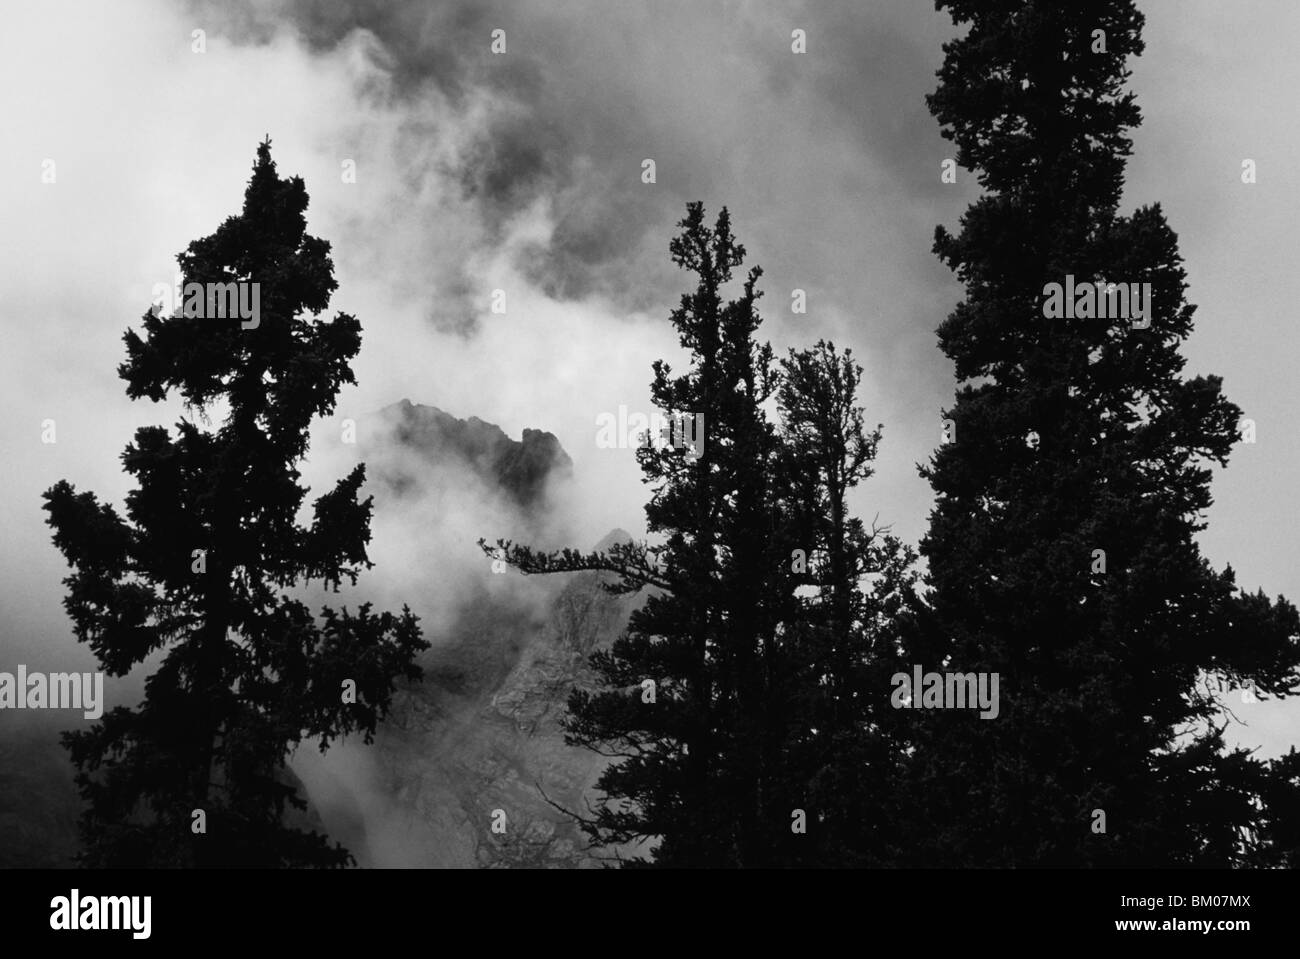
column 1274, row 841
column 760, row 694
column 696, row 765
column 843, row 756
column 197, row 567
column 1072, row 436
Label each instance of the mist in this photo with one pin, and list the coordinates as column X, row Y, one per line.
column 520, row 173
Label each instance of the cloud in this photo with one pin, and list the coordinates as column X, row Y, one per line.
column 521, row 172
column 564, row 118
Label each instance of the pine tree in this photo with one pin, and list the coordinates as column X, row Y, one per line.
column 1061, row 551
column 831, row 452
column 196, row 569
column 842, row 758
column 771, row 750
column 1274, row 841
column 697, row 769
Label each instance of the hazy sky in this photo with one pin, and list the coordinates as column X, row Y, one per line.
column 521, row 172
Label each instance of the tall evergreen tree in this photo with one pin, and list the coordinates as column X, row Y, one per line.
column 1274, row 841
column 843, row 756
column 764, row 746
column 196, row 568
column 831, row 453
column 1061, row 551
column 697, row 768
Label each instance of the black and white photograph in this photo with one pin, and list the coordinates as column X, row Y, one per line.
column 849, row 440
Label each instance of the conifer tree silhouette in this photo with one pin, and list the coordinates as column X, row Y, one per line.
column 734, row 763
column 692, row 763
column 843, row 754
column 195, row 571
column 1061, row 550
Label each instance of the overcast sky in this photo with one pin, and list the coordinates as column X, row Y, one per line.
column 522, row 172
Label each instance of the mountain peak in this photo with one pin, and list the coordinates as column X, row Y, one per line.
column 521, row 467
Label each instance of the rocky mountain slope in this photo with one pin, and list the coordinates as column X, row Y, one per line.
column 478, row 744
column 474, row 768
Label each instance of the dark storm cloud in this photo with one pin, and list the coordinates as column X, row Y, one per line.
column 587, row 91
column 563, row 129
